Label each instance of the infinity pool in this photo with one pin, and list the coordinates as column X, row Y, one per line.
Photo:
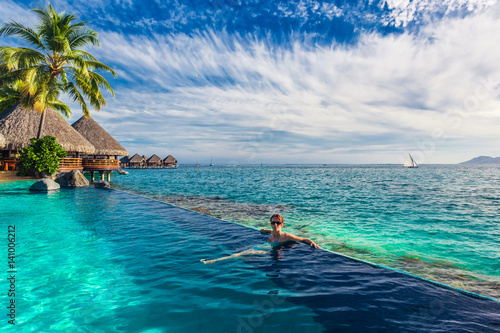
column 93, row 260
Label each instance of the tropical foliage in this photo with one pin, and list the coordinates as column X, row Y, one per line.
column 56, row 63
column 42, row 155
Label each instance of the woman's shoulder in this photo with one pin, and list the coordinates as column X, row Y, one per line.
column 289, row 236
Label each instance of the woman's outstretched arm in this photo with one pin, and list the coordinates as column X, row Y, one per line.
column 246, row 252
column 266, row 231
column 302, row 240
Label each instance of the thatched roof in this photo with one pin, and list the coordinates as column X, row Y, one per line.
column 170, row 159
column 125, row 159
column 154, row 159
column 136, row 159
column 18, row 125
column 2, row 141
column 145, row 158
column 103, row 142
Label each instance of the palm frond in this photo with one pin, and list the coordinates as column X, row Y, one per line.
column 20, row 57
column 36, row 78
column 100, row 66
column 61, row 108
column 73, row 92
column 78, row 38
column 25, row 33
column 84, row 55
column 101, row 82
column 7, row 103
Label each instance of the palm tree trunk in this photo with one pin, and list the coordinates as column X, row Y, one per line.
column 40, row 128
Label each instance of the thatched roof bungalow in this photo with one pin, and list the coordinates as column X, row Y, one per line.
column 154, row 161
column 125, row 159
column 169, row 161
column 18, row 125
column 136, row 161
column 104, row 143
column 2, row 141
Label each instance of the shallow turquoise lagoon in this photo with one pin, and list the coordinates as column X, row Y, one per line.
column 92, row 260
column 437, row 221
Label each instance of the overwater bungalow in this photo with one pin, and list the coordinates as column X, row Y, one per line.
column 154, row 161
column 18, row 125
column 136, row 161
column 124, row 160
column 107, row 150
column 170, row 162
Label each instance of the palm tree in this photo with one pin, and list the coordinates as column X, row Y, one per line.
column 10, row 95
column 56, row 64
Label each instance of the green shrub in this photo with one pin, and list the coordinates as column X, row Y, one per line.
column 42, row 155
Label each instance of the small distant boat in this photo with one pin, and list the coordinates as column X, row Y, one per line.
column 211, row 164
column 410, row 162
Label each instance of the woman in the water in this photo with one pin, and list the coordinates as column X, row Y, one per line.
column 277, row 238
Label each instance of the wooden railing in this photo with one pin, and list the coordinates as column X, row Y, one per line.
column 8, row 163
column 100, row 164
column 68, row 164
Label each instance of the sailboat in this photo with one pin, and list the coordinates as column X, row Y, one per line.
column 410, row 162
column 211, row 163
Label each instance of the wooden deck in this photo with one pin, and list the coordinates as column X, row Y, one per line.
column 70, row 163
column 100, row 164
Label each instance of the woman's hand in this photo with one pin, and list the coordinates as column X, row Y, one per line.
column 310, row 243
column 314, row 245
column 205, row 261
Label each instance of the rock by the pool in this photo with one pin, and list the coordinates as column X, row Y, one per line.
column 73, row 179
column 101, row 184
column 202, row 210
column 45, row 184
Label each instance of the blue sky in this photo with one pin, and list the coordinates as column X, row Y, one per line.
column 249, row 81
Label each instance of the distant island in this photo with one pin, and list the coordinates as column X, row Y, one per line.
column 483, row 160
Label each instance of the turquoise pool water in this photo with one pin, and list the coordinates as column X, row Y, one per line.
column 97, row 261
column 93, row 260
column 440, row 221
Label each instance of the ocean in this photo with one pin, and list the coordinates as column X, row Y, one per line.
column 440, row 222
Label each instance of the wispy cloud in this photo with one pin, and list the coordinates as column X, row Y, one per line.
column 245, row 97
column 233, row 95
column 13, row 11
column 403, row 12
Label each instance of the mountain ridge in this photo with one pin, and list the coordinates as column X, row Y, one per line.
column 483, row 160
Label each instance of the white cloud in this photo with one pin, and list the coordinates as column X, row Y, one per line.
column 405, row 11
column 220, row 93
column 12, row 11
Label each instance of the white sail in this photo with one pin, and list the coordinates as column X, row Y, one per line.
column 410, row 162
